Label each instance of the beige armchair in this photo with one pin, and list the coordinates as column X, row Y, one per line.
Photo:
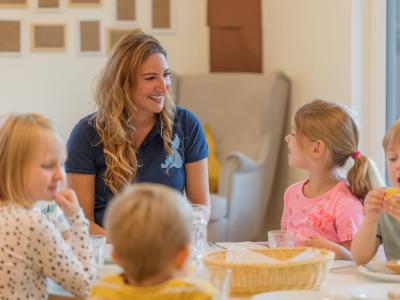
column 246, row 114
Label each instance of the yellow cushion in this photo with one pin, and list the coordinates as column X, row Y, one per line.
column 214, row 165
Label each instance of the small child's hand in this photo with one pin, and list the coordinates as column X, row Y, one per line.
column 315, row 242
column 373, row 204
column 67, row 201
column 392, row 206
column 340, row 251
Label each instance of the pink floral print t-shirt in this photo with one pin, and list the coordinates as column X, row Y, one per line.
column 335, row 215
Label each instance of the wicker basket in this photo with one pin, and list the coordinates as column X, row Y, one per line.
column 248, row 279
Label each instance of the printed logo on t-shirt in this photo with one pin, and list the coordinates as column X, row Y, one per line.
column 174, row 160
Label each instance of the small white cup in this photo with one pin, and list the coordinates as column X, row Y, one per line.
column 280, row 239
column 98, row 245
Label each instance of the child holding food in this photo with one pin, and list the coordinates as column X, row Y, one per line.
column 382, row 210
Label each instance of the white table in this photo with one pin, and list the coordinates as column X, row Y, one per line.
column 340, row 280
column 342, row 277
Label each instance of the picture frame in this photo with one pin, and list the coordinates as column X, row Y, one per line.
column 13, row 3
column 48, row 5
column 162, row 16
column 89, row 37
column 114, row 34
column 125, row 11
column 48, row 37
column 11, row 37
column 84, row 3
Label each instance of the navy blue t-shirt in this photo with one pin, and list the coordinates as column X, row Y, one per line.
column 85, row 155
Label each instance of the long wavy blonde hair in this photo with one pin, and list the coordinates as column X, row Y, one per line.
column 116, row 108
column 334, row 125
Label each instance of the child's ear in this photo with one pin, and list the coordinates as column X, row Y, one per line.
column 318, row 149
column 181, row 257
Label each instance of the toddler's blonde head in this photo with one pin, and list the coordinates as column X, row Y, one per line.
column 148, row 224
column 334, row 124
column 19, row 135
column 392, row 136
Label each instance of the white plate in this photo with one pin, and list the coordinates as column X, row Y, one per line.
column 376, row 291
column 296, row 294
column 378, row 271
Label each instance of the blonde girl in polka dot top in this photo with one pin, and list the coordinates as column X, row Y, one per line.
column 31, row 168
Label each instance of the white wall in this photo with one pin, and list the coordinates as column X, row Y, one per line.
column 317, row 43
column 59, row 85
column 310, row 40
column 328, row 49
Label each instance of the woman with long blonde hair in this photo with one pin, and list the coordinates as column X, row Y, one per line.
column 137, row 133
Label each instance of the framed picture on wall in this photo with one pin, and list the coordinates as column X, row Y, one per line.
column 48, row 37
column 84, row 3
column 48, row 4
column 125, row 10
column 89, row 37
column 13, row 3
column 113, row 35
column 10, row 32
column 162, row 16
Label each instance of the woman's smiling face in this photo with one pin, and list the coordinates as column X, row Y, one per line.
column 151, row 84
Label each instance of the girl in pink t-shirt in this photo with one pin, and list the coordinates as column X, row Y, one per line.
column 325, row 210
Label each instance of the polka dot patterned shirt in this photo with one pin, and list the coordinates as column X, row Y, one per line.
column 32, row 249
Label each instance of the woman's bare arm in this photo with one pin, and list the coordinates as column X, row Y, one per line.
column 196, row 187
column 84, row 187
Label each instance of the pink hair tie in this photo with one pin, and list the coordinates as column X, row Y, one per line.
column 355, row 154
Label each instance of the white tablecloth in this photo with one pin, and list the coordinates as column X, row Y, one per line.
column 340, row 280
column 342, row 277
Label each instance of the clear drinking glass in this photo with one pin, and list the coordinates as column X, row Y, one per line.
column 280, row 239
column 199, row 233
column 98, row 245
column 219, row 277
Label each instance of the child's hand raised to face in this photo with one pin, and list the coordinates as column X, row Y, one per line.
column 67, row 201
column 391, row 203
column 373, row 204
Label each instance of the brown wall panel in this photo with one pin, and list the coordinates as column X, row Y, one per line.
column 234, row 13
column 235, row 50
column 235, row 35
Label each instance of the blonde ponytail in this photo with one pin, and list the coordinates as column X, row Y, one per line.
column 363, row 177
